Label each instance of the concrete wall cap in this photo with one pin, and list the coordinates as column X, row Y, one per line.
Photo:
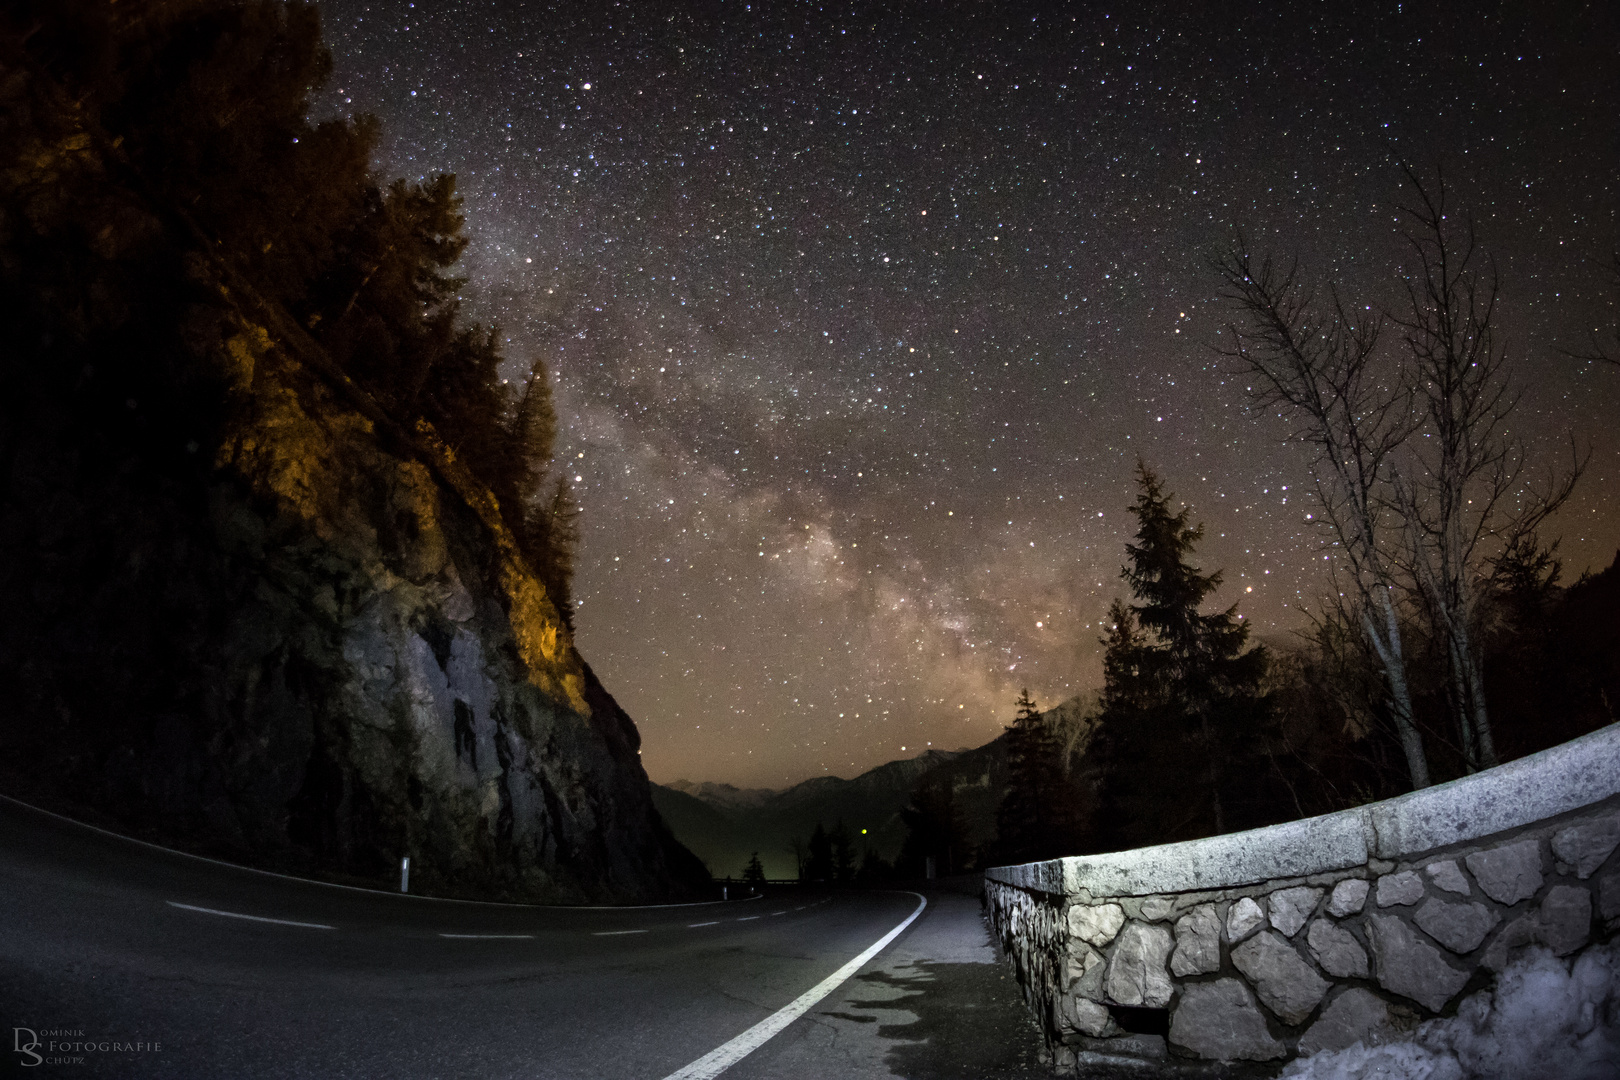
column 1556, row 781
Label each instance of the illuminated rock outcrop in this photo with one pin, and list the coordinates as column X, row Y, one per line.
column 340, row 661
column 254, row 604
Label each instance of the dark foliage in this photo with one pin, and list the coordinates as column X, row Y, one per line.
column 151, row 133
column 1183, row 705
column 818, row 865
column 830, row 856
column 935, row 829
column 843, row 852
column 1044, row 813
column 1552, row 667
column 874, row 869
column 1552, row 656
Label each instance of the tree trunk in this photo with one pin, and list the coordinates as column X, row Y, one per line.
column 1388, row 648
column 1461, row 701
column 1483, row 740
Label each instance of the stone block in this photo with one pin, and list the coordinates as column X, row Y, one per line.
column 1564, row 922
column 1096, row 924
column 1337, row 950
column 1508, row 874
column 1460, row 927
column 1137, row 973
column 1357, row 1015
column 1588, row 845
column 1349, row 896
column 1158, row 908
column 1291, row 907
column 1242, row 919
column 1285, row 981
column 1083, row 970
column 1219, row 1020
column 1410, row 966
column 1130, row 1050
column 1448, row 876
column 1198, row 942
column 1609, row 895
column 1403, row 888
column 1086, row 1017
column 1514, row 936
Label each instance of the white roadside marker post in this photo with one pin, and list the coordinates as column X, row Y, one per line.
column 405, row 874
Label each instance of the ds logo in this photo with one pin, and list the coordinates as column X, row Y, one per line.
column 28, row 1047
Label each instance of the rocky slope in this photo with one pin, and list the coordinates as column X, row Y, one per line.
column 248, row 614
column 310, row 652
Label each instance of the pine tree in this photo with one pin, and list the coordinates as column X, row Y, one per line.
column 557, row 519
column 1182, row 696
column 201, row 110
column 874, row 869
column 754, row 872
column 1042, row 814
column 801, row 858
column 843, row 852
column 819, row 866
column 1019, row 820
column 935, row 827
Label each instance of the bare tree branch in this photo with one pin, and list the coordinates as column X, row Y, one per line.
column 1317, row 364
column 1460, row 489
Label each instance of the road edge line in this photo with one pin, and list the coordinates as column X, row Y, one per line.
column 726, row 1055
column 381, row 890
column 250, row 918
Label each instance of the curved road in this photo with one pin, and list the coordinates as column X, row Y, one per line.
column 167, row 965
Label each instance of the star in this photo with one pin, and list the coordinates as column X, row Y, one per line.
column 1042, row 200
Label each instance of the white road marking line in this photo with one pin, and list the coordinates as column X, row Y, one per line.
column 748, row 918
column 715, row 923
column 799, row 908
column 250, row 918
column 353, row 888
column 723, row 1057
column 616, row 933
column 491, row 937
column 778, row 913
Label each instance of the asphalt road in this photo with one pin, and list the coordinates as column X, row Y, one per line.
column 140, row 961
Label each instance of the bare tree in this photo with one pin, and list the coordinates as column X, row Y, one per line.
column 1419, row 478
column 1461, row 491
column 1315, row 364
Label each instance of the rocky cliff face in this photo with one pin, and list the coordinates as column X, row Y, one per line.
column 290, row 637
column 252, row 607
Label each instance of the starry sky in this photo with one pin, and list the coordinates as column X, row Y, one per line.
column 860, row 316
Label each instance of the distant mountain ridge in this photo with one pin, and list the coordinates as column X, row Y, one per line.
column 723, row 824
column 725, row 795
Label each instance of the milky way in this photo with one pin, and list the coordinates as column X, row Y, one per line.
column 860, row 320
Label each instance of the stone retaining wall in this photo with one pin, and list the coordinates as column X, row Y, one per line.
column 1310, row 935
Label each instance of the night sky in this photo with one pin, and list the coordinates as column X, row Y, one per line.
column 861, row 317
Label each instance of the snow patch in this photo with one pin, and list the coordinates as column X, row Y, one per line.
column 1545, row 1018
